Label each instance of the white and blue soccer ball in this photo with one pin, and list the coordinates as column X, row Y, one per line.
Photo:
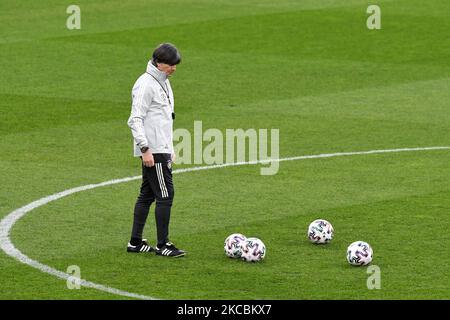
column 359, row 253
column 253, row 250
column 320, row 231
column 232, row 245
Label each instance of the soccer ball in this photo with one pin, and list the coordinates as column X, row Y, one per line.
column 359, row 253
column 253, row 250
column 320, row 231
column 232, row 245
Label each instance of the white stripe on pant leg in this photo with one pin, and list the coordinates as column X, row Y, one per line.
column 157, row 176
column 159, row 179
column 164, row 189
column 162, row 184
column 163, row 181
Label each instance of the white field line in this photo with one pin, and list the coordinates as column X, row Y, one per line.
column 9, row 220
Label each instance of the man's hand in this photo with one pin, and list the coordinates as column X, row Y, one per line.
column 173, row 157
column 147, row 159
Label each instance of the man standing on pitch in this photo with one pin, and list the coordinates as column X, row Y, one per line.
column 151, row 120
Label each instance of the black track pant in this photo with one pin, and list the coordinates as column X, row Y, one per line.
column 156, row 185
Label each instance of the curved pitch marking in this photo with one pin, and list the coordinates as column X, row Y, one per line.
column 9, row 220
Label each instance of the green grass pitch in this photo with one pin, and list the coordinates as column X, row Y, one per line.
column 311, row 69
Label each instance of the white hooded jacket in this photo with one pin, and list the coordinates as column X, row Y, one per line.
column 152, row 107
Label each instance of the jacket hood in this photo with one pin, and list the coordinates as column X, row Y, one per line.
column 154, row 71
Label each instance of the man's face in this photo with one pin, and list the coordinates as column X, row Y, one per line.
column 166, row 68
